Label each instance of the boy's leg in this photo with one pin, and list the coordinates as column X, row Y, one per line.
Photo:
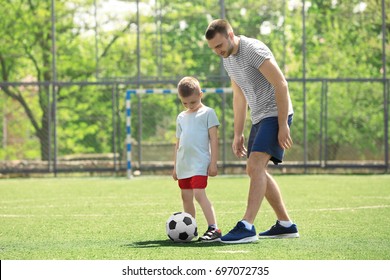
column 205, row 204
column 187, row 196
column 212, row 233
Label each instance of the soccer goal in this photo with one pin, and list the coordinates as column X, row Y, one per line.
column 132, row 92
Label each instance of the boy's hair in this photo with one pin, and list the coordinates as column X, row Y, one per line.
column 218, row 26
column 188, row 86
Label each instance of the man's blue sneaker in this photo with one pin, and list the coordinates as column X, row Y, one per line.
column 240, row 234
column 279, row 231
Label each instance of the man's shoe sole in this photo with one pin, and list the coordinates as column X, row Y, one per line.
column 243, row 240
column 286, row 235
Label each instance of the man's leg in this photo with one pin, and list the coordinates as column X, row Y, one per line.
column 284, row 227
column 262, row 184
column 256, row 169
column 274, row 198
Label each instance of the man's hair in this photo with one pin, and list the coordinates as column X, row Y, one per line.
column 188, row 86
column 221, row 26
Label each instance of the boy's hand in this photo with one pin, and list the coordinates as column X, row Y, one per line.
column 212, row 170
column 174, row 175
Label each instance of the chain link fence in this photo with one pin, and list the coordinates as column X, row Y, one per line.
column 337, row 124
column 59, row 127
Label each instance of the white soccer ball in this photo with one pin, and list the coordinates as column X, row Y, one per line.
column 181, row 227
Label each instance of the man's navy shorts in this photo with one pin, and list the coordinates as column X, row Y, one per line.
column 264, row 138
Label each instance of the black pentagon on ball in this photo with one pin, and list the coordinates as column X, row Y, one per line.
column 187, row 221
column 172, row 224
column 183, row 236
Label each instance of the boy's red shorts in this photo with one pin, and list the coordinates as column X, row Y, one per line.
column 195, row 182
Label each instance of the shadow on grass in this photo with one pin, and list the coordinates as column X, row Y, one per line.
column 169, row 243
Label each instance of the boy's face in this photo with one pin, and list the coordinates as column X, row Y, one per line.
column 192, row 102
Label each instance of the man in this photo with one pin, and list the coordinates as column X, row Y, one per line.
column 257, row 82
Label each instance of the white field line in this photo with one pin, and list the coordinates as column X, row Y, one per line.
column 233, row 252
column 108, row 204
column 158, row 214
column 352, row 208
column 54, row 215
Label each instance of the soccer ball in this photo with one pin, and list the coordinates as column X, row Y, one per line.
column 181, row 227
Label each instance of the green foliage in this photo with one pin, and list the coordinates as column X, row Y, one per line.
column 85, row 120
column 158, row 117
column 349, row 42
column 341, row 42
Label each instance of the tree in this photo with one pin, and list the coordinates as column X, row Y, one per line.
column 26, row 51
column 343, row 39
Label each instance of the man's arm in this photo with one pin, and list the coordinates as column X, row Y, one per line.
column 240, row 108
column 273, row 74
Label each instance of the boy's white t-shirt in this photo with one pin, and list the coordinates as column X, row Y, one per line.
column 193, row 153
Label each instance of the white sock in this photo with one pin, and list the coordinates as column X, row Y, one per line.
column 247, row 224
column 214, row 226
column 285, row 223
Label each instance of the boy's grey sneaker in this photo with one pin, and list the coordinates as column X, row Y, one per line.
column 240, row 234
column 211, row 235
column 279, row 231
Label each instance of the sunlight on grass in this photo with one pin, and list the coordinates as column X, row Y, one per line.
column 339, row 217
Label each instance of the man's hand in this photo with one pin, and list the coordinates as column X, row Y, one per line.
column 238, row 146
column 284, row 137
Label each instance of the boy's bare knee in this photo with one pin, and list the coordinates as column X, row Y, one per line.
column 199, row 193
column 187, row 195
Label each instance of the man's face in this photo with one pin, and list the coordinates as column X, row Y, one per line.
column 221, row 45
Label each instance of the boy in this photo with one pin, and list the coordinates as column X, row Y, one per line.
column 196, row 153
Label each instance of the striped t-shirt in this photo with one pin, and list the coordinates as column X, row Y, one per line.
column 243, row 68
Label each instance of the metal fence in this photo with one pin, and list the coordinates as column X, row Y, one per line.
column 339, row 125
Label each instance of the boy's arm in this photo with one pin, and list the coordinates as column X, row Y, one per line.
column 174, row 175
column 213, row 136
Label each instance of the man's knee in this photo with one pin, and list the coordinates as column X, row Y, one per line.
column 257, row 163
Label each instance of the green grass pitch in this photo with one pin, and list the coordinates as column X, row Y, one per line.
column 339, row 217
